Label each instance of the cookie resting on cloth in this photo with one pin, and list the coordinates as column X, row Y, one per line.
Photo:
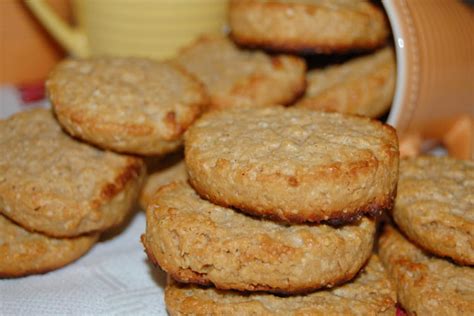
column 369, row 293
column 23, row 252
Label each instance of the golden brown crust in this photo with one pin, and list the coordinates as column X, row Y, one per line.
column 362, row 86
column 192, row 277
column 426, row 285
column 435, row 206
column 236, row 77
column 128, row 105
column 370, row 293
column 196, row 241
column 373, row 209
column 293, row 164
column 56, row 185
column 23, row 253
column 323, row 26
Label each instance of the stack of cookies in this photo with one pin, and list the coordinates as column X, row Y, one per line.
column 237, row 72
column 59, row 193
column 280, row 201
column 431, row 262
column 362, row 85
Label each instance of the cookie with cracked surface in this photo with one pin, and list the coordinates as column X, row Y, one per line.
column 370, row 293
column 435, row 205
column 236, row 77
column 196, row 241
column 363, row 86
column 426, row 285
column 130, row 105
column 303, row 26
column 53, row 184
column 23, row 252
column 168, row 170
column 293, row 164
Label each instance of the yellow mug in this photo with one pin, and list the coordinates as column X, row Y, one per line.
column 148, row 28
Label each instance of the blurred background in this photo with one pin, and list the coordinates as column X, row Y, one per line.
column 27, row 51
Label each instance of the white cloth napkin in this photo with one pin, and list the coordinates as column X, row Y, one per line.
column 114, row 278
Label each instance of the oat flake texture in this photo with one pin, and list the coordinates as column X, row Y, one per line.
column 294, row 165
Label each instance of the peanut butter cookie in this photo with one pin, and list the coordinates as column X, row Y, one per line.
column 54, row 184
column 362, row 86
column 426, row 285
column 370, row 293
column 435, row 205
column 308, row 26
column 196, row 241
column 236, row 77
column 23, row 252
column 294, row 165
column 129, row 105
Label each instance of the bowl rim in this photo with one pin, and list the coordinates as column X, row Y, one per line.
column 401, row 61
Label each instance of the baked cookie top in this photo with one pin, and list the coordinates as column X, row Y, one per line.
column 51, row 183
column 426, row 285
column 308, row 26
column 435, row 205
column 370, row 293
column 236, row 77
column 196, row 241
column 24, row 252
column 363, row 86
column 294, row 164
column 131, row 105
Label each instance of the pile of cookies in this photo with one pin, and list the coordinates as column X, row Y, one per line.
column 274, row 209
column 57, row 194
column 277, row 215
column 67, row 174
column 244, row 75
column 363, row 85
column 430, row 257
column 281, row 201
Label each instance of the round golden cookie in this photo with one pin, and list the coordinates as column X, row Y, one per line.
column 235, row 77
column 294, row 165
column 164, row 172
column 308, row 26
column 426, row 285
column 362, row 86
column 53, row 184
column 370, row 293
column 435, row 205
column 130, row 105
column 24, row 253
column 196, row 241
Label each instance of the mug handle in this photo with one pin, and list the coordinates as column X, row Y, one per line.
column 72, row 39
